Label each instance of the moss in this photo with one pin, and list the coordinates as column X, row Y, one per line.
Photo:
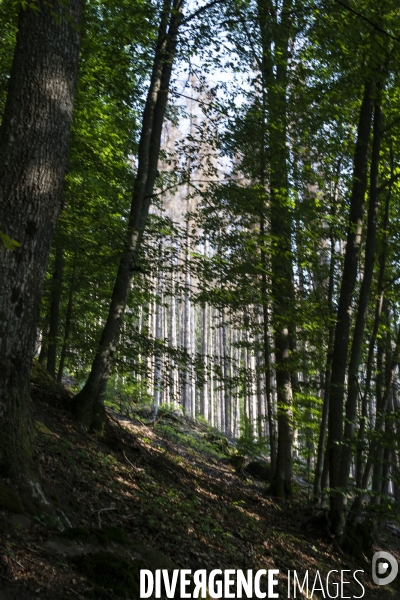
column 40, row 376
column 112, row 572
column 219, row 442
column 9, row 500
column 45, row 431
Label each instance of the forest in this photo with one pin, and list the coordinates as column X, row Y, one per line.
column 199, row 218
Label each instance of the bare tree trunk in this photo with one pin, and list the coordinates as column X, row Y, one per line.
column 34, row 142
column 369, row 263
column 275, row 42
column 55, row 311
column 342, row 331
column 377, row 318
column 68, row 318
column 319, row 480
column 226, row 375
column 88, row 404
column 204, row 358
column 211, row 348
column 158, row 336
column 173, row 344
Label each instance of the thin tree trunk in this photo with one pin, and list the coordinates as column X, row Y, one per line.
column 88, row 404
column 342, row 330
column 204, row 360
column 226, row 375
column 173, row 344
column 55, row 311
column 211, row 348
column 68, row 318
column 275, row 42
column 377, row 318
column 158, row 336
column 358, row 334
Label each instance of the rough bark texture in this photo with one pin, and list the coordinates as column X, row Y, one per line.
column 34, row 140
column 342, row 330
column 88, row 404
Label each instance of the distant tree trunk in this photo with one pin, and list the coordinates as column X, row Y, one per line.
column 318, row 483
column 173, row 344
column 342, row 330
column 266, row 349
column 55, row 311
column 193, row 353
column 386, row 366
column 158, row 336
column 187, row 389
column 88, row 404
column 68, row 318
column 211, row 349
column 34, row 142
column 204, row 360
column 226, row 374
column 372, row 341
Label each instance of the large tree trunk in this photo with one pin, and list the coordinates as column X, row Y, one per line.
column 34, row 141
column 342, row 330
column 88, row 404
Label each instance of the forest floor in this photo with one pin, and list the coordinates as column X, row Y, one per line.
column 156, row 495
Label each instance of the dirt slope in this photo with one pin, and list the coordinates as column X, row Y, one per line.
column 152, row 496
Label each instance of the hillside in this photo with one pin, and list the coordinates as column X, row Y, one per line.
column 152, row 495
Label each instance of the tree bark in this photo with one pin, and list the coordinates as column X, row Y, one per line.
column 318, row 484
column 88, row 405
column 68, row 318
column 358, row 334
column 342, row 329
column 377, row 318
column 34, row 141
column 275, row 42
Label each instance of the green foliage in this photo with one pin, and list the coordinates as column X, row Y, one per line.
column 116, row 53
column 8, row 242
column 248, row 443
column 124, row 393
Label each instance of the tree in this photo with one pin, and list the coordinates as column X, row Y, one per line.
column 34, row 141
column 88, row 404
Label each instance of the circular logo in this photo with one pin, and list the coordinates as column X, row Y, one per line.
column 381, row 568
